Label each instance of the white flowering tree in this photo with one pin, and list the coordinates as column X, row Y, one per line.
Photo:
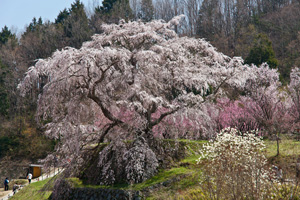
column 126, row 82
column 234, row 167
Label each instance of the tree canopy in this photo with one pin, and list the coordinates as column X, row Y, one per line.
column 122, row 84
column 261, row 52
column 5, row 35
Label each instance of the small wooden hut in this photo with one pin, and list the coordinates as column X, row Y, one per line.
column 36, row 170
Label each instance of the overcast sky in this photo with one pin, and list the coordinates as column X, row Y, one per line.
column 16, row 14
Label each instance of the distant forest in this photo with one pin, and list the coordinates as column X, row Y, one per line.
column 257, row 30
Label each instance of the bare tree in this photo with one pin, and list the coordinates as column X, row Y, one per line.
column 147, row 10
column 135, row 6
column 192, row 8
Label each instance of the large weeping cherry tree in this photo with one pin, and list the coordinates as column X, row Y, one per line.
column 128, row 81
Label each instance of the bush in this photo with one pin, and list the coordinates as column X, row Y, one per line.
column 234, row 167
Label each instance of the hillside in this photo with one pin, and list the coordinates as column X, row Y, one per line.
column 182, row 179
column 21, row 146
column 112, row 89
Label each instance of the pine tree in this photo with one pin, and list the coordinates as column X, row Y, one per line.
column 262, row 51
column 107, row 5
column 5, row 35
column 76, row 24
column 112, row 11
column 62, row 16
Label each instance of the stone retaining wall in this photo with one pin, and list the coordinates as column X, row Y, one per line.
column 64, row 191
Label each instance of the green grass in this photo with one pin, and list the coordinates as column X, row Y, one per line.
column 287, row 147
column 160, row 177
column 188, row 173
column 190, row 160
column 33, row 192
column 76, row 182
column 289, row 151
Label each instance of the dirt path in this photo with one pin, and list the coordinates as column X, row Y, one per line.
column 4, row 193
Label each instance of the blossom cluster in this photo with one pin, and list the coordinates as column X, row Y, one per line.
column 236, row 164
column 118, row 162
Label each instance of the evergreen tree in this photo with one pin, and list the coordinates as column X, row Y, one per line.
column 262, row 51
column 76, row 26
column 32, row 25
column 5, row 35
column 107, row 5
column 112, row 11
column 77, row 10
column 62, row 16
column 35, row 25
column 40, row 21
column 121, row 10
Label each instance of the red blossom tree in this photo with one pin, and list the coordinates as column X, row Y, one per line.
column 265, row 106
column 235, row 114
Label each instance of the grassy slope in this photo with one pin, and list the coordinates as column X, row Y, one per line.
column 33, row 192
column 287, row 147
column 182, row 180
column 287, row 159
